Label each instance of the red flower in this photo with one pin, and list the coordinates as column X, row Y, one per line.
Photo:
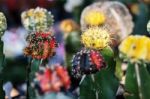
column 63, row 74
column 52, row 80
column 44, row 80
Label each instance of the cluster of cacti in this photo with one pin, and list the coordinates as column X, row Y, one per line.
column 105, row 39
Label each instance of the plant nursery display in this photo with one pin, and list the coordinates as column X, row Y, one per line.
column 75, row 49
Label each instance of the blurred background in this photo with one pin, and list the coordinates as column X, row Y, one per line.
column 14, row 37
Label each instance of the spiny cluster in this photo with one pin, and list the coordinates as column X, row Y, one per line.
column 40, row 45
column 37, row 20
column 87, row 61
column 113, row 15
column 41, row 42
column 95, row 38
column 52, row 80
column 3, row 24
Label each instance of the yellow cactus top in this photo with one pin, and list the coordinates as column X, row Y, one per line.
column 136, row 48
column 94, row 18
column 95, row 38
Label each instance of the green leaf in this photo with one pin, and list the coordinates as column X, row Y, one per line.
column 102, row 85
column 135, row 89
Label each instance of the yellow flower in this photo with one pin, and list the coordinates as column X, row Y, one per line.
column 39, row 15
column 95, row 38
column 68, row 25
column 30, row 13
column 135, row 47
column 135, row 9
column 94, row 18
column 148, row 51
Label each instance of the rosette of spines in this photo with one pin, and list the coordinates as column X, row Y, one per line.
column 87, row 61
column 3, row 24
column 41, row 42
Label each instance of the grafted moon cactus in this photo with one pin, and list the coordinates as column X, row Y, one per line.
column 114, row 16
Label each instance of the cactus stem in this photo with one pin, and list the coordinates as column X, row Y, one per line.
column 92, row 76
column 2, row 92
column 138, row 80
column 83, row 77
column 28, row 76
column 96, row 92
column 96, row 95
